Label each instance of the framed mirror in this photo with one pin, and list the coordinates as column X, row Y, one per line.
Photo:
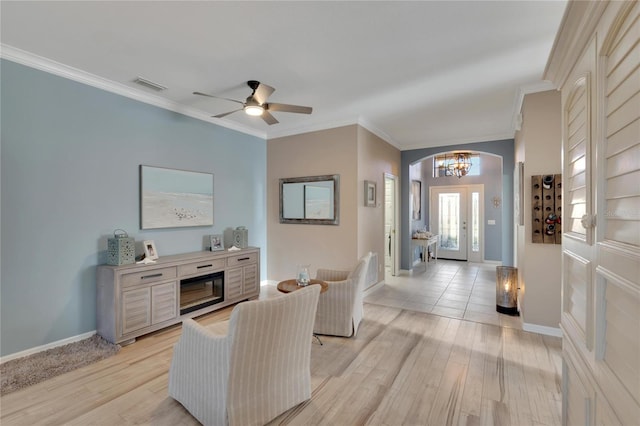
column 313, row 200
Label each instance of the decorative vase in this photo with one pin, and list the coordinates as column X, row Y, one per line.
column 303, row 275
column 241, row 237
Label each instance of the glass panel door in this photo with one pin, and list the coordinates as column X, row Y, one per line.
column 390, row 225
column 475, row 222
column 449, row 220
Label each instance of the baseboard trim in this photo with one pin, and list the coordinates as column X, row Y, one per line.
column 542, row 329
column 372, row 288
column 48, row 346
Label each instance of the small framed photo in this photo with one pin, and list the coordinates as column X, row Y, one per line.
column 217, row 243
column 369, row 193
column 150, row 251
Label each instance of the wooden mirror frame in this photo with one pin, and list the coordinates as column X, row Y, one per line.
column 335, row 179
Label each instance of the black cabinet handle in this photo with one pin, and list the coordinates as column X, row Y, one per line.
column 151, row 276
column 204, row 266
column 243, row 258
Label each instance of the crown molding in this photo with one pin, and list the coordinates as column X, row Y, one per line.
column 363, row 122
column 542, row 86
column 360, row 121
column 577, row 25
column 56, row 68
column 460, row 141
column 291, row 131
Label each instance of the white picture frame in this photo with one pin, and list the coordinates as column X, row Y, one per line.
column 369, row 193
column 150, row 251
column 217, row 242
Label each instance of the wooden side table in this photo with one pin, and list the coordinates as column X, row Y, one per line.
column 425, row 243
column 288, row 286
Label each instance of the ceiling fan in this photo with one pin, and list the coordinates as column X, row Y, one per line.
column 256, row 104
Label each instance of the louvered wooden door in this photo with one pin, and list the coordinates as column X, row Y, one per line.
column 601, row 239
column 617, row 292
column 578, row 100
column 577, row 217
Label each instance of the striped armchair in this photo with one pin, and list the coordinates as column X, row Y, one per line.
column 256, row 371
column 340, row 308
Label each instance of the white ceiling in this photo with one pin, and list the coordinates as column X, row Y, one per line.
column 419, row 74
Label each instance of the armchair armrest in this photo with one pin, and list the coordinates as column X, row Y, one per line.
column 200, row 371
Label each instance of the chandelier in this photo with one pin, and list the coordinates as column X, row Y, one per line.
column 460, row 164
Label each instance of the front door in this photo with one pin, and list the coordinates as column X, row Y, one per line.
column 457, row 215
column 448, row 219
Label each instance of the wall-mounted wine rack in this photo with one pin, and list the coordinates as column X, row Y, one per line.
column 546, row 202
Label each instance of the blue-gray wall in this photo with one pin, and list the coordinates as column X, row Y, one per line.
column 69, row 176
column 491, row 177
column 498, row 239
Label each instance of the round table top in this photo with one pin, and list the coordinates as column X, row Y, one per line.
column 288, row 286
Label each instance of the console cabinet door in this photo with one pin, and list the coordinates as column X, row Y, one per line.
column 250, row 282
column 233, row 283
column 164, row 302
column 136, row 309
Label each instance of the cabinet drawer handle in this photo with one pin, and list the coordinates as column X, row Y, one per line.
column 204, row 266
column 243, row 258
column 151, row 276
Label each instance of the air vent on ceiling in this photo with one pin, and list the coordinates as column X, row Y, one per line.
column 149, row 84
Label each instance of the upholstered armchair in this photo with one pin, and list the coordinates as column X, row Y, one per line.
column 340, row 307
column 257, row 370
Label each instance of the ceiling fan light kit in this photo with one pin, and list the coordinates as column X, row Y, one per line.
column 254, row 110
column 256, row 104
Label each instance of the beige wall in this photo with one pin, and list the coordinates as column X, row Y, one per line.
column 375, row 158
column 356, row 155
column 325, row 152
column 538, row 145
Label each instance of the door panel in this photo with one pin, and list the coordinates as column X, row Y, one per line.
column 601, row 251
column 617, row 254
column 449, row 207
column 390, row 242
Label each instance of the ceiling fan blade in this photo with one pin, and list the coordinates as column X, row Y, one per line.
column 217, row 97
column 268, row 118
column 262, row 93
column 224, row 114
column 289, row 108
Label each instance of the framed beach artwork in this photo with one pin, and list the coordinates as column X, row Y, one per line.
column 171, row 198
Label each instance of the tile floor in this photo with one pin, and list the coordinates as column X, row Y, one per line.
column 448, row 288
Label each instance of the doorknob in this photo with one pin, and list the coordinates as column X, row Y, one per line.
column 588, row 221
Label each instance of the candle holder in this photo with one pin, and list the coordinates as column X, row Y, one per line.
column 507, row 290
column 303, row 275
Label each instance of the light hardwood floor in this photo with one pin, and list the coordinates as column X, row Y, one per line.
column 403, row 367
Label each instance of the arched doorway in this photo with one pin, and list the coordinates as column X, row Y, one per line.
column 497, row 200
